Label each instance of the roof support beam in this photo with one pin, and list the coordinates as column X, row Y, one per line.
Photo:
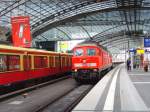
column 12, row 6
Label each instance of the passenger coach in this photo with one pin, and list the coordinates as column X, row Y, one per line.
column 22, row 64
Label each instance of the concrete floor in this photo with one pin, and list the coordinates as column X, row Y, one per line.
column 131, row 92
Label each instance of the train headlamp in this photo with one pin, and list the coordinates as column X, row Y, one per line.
column 84, row 61
column 95, row 70
column 75, row 70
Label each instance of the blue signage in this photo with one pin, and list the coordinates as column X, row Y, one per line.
column 146, row 42
column 132, row 50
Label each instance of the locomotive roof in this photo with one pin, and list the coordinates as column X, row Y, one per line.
column 26, row 49
column 91, row 43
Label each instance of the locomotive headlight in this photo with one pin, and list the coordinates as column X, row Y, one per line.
column 95, row 70
column 84, row 61
column 75, row 70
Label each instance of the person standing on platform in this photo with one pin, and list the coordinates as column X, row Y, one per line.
column 128, row 64
column 146, row 65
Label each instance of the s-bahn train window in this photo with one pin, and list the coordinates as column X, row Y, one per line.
column 9, row 63
column 40, row 62
column 91, row 52
column 57, row 61
column 78, row 52
column 27, row 62
column 13, row 62
column 3, row 62
column 51, row 61
column 70, row 61
column 63, row 61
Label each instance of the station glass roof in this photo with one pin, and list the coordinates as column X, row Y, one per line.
column 115, row 24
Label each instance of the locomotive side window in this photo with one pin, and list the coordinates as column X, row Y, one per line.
column 78, row 52
column 91, row 52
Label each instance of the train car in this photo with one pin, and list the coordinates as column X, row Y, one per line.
column 89, row 61
column 23, row 64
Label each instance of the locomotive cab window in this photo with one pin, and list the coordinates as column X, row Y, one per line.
column 78, row 52
column 91, row 52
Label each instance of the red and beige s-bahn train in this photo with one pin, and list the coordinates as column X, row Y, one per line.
column 89, row 61
column 23, row 64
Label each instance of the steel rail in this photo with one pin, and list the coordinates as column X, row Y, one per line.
column 21, row 91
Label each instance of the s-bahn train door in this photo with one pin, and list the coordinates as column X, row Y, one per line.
column 60, row 68
column 27, row 65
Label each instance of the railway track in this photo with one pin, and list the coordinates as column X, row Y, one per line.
column 28, row 89
column 67, row 101
column 60, row 95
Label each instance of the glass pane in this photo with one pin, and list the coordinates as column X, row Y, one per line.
column 78, row 52
column 91, row 52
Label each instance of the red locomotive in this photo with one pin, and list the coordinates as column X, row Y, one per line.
column 89, row 61
column 22, row 64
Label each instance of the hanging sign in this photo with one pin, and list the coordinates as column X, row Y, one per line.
column 146, row 42
column 21, row 35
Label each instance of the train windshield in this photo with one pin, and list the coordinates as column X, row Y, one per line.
column 91, row 52
column 78, row 52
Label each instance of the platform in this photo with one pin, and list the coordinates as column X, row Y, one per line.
column 120, row 90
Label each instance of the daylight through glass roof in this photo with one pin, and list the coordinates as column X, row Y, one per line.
column 105, row 21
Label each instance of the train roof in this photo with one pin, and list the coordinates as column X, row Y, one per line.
column 91, row 43
column 26, row 49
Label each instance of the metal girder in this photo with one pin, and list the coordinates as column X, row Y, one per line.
column 112, row 40
column 118, row 41
column 99, row 34
column 47, row 24
column 120, row 8
column 102, row 38
column 62, row 12
column 103, row 22
column 64, row 33
column 94, row 22
column 12, row 6
column 122, row 44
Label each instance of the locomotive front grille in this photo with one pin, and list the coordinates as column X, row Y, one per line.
column 84, row 72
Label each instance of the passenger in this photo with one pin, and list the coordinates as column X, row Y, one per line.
column 146, row 66
column 137, row 64
column 128, row 64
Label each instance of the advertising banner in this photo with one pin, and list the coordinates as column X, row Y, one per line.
column 140, row 51
column 63, row 46
column 21, row 35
